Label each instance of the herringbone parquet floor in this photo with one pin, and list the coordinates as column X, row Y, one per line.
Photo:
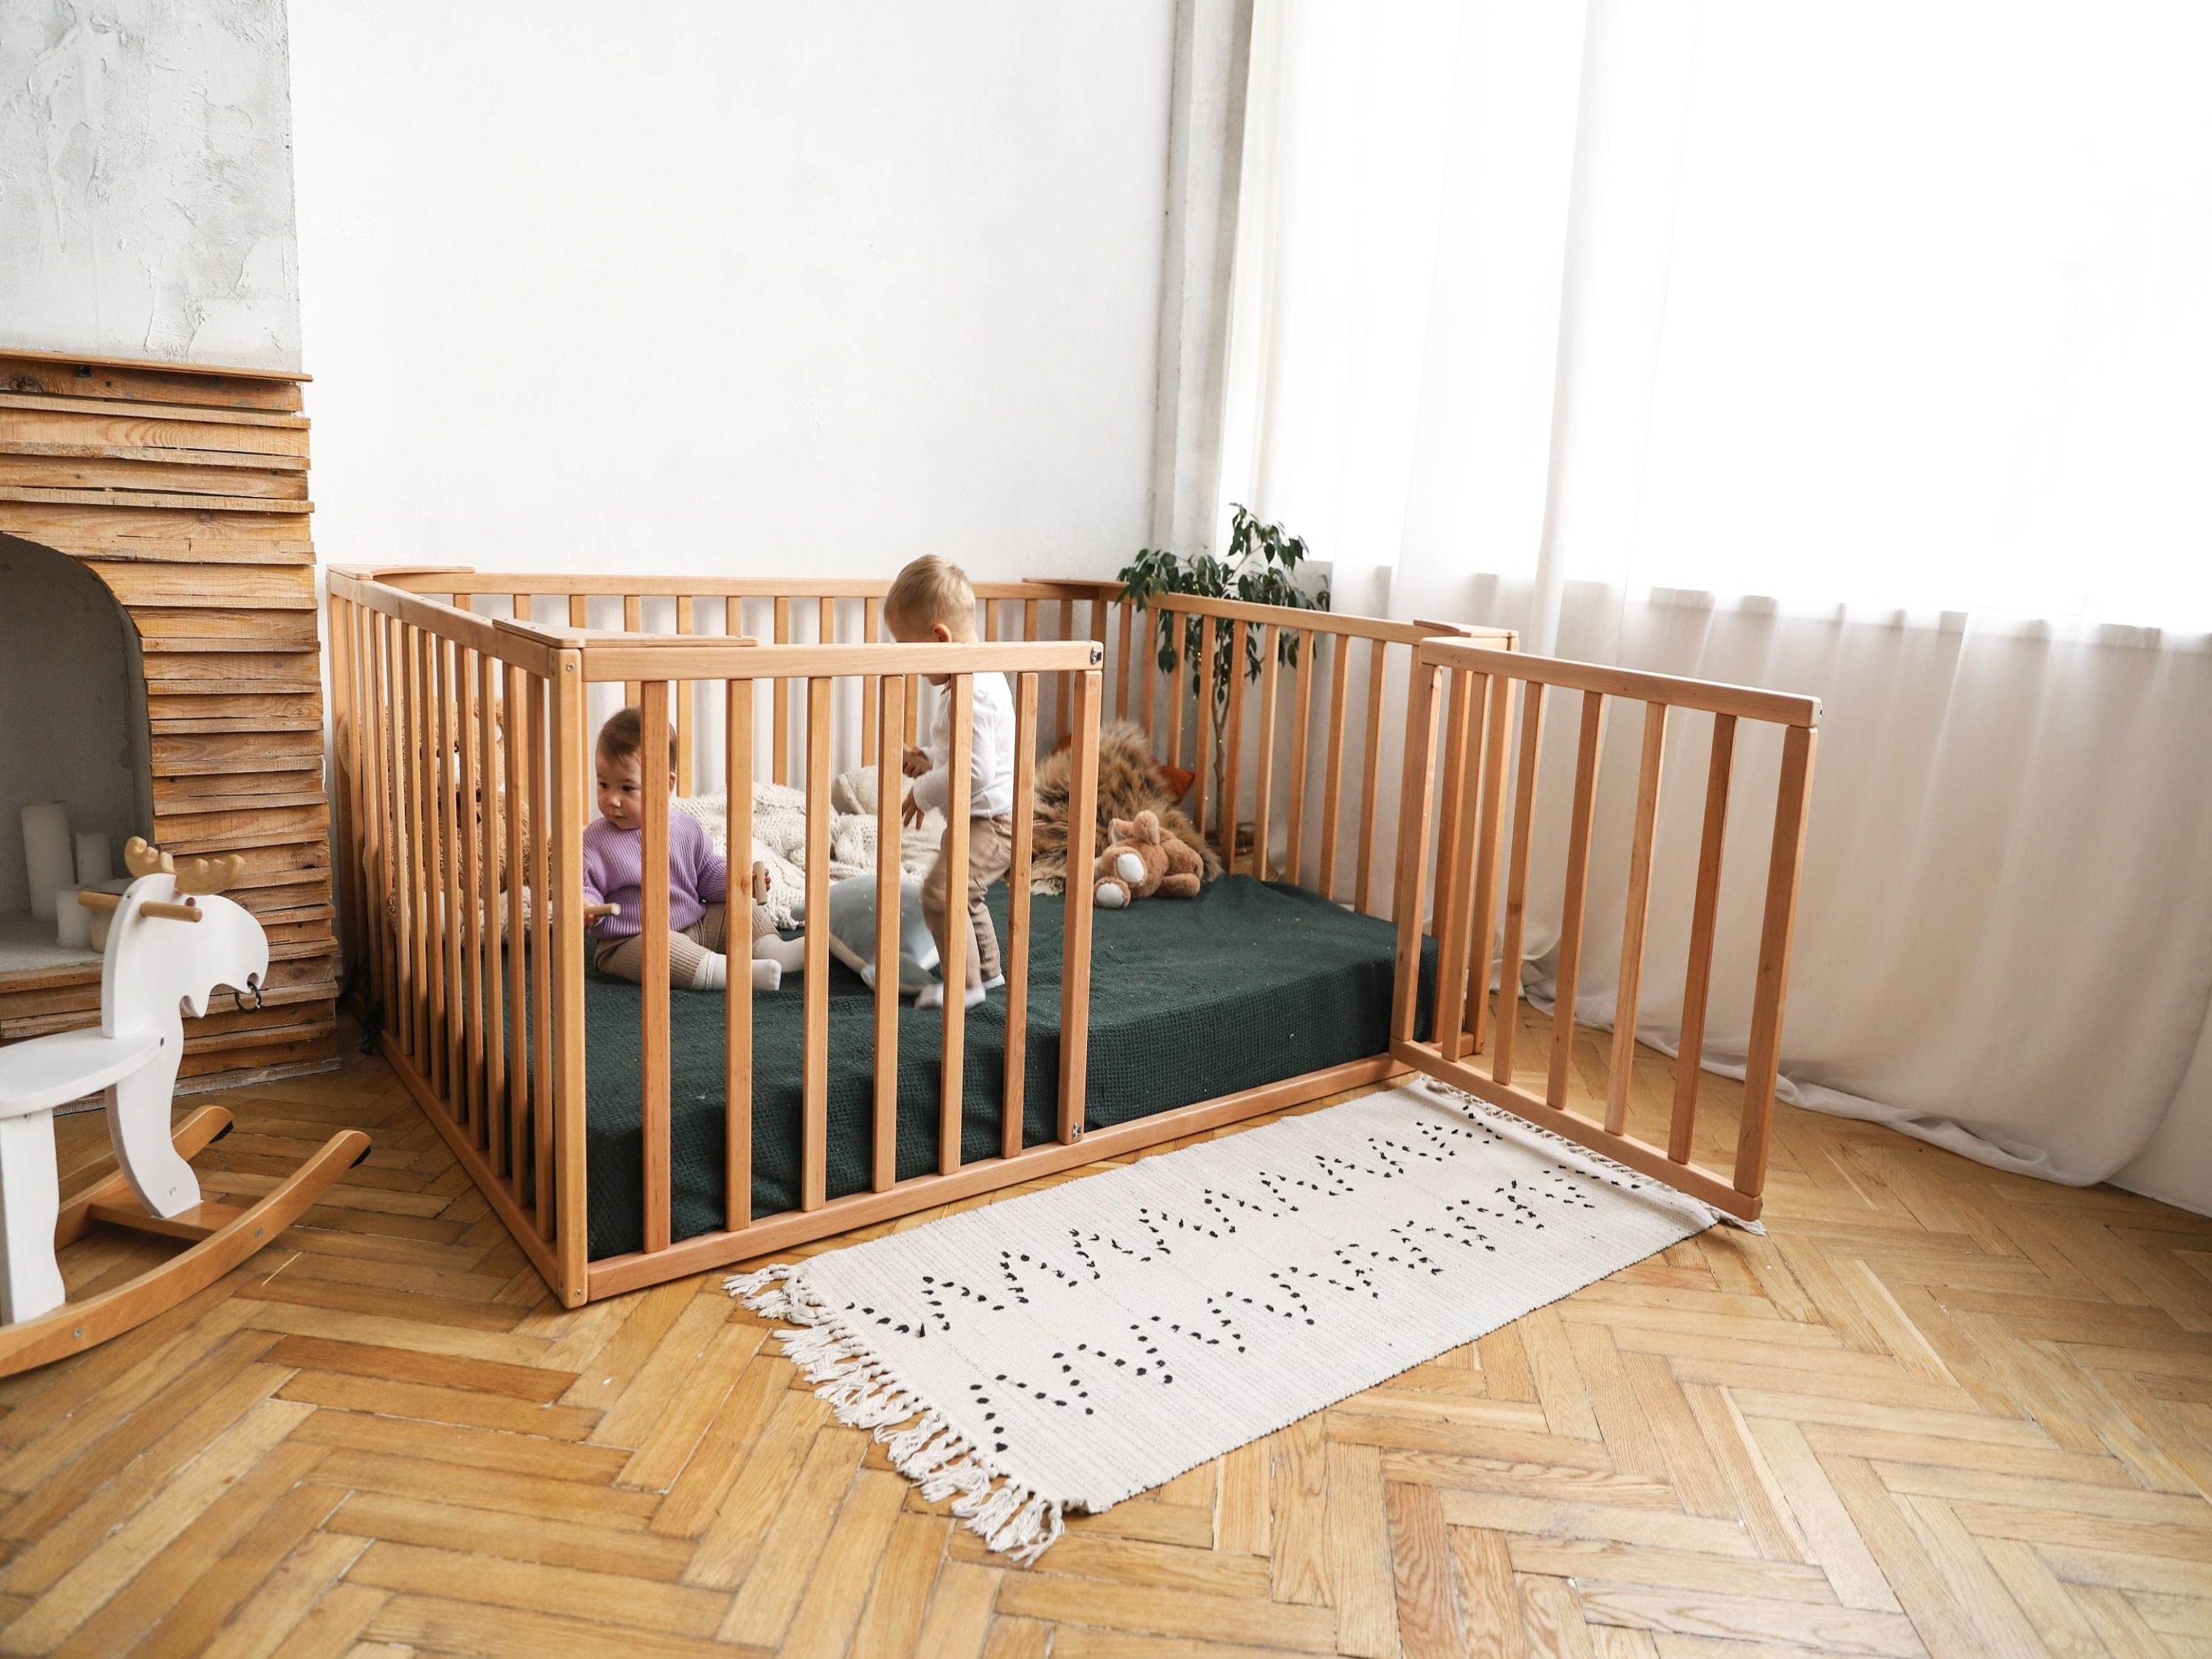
column 1936, row 1409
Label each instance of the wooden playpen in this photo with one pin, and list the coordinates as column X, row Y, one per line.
column 465, row 747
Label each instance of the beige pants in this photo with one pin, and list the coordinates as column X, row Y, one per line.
column 990, row 850
column 624, row 958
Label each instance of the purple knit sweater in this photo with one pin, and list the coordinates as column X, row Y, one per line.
column 614, row 867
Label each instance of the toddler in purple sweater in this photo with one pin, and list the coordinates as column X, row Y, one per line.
column 698, row 883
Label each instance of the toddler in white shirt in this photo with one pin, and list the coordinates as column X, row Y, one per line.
column 932, row 599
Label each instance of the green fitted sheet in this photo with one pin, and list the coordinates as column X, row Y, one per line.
column 1248, row 984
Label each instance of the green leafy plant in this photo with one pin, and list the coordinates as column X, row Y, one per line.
column 1261, row 568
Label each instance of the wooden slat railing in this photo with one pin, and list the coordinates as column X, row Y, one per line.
column 469, row 802
column 1454, row 814
column 1263, row 735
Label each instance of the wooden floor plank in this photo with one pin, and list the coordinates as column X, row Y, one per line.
column 1935, row 1406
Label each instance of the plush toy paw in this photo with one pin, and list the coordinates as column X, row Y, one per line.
column 1130, row 868
column 1111, row 895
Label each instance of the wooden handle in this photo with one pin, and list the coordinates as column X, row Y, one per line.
column 598, row 912
column 157, row 908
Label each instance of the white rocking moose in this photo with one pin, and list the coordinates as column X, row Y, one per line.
column 173, row 941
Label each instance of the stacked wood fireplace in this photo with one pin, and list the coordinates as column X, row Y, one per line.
column 161, row 675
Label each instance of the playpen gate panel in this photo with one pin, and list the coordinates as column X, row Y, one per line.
column 1454, row 821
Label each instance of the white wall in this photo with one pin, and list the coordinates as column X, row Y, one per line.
column 749, row 288
column 146, row 181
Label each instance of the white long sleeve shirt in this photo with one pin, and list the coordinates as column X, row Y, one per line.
column 990, row 754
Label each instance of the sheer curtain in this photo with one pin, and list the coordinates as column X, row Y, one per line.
column 1866, row 354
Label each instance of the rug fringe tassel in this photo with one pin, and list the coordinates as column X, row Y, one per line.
column 1009, row 1517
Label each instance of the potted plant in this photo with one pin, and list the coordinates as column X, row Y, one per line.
column 1261, row 568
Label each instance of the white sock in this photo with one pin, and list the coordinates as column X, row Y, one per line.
column 788, row 954
column 933, row 996
column 766, row 975
column 997, row 982
column 714, row 973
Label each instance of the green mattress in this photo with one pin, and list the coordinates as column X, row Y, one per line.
column 1250, row 983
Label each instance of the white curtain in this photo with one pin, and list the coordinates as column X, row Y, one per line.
column 1864, row 352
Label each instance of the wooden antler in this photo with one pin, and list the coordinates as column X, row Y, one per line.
column 205, row 876
column 142, row 858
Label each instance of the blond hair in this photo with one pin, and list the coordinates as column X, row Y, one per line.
column 933, row 590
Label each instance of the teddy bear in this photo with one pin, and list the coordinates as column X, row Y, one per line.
column 1140, row 860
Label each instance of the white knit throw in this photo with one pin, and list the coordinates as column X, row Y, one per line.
column 1070, row 1348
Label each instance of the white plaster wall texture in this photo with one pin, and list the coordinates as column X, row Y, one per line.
column 733, row 287
column 146, row 181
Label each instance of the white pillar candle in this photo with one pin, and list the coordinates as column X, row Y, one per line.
column 94, row 863
column 46, row 853
column 73, row 922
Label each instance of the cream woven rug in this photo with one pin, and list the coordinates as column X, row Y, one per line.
column 1073, row 1347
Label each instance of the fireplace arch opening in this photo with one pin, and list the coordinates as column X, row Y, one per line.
column 73, row 726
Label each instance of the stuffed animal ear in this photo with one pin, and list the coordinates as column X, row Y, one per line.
column 1147, row 827
column 1178, row 781
column 1120, row 830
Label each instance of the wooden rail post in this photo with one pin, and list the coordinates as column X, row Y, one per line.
column 1017, row 952
column 883, row 1163
column 1705, row 907
column 737, row 1012
column 652, row 939
column 1413, row 830
column 959, row 939
column 1075, row 961
column 1785, row 864
column 567, row 835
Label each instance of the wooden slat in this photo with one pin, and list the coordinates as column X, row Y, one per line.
column 1629, row 979
column 519, row 734
column 1577, row 891
column 1377, row 681
column 1062, row 710
column 633, row 622
column 890, row 791
column 487, row 1060
column 544, row 1092
column 1516, row 880
column 1128, row 614
column 1785, row 864
column 1483, row 913
column 654, row 907
column 780, row 715
column 1206, row 737
column 1178, row 691
column 1016, row 944
column 814, row 1160
column 431, row 789
column 1232, row 772
column 958, row 938
column 447, row 897
column 473, row 719
column 566, row 833
column 738, row 1008
column 1424, row 700
column 1301, row 734
column 1145, row 625
column 1263, row 789
column 680, row 715
column 1705, row 907
column 1332, row 772
column 1465, row 702
column 1075, row 958
column 872, row 628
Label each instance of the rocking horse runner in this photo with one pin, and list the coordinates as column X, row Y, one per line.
column 173, row 941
